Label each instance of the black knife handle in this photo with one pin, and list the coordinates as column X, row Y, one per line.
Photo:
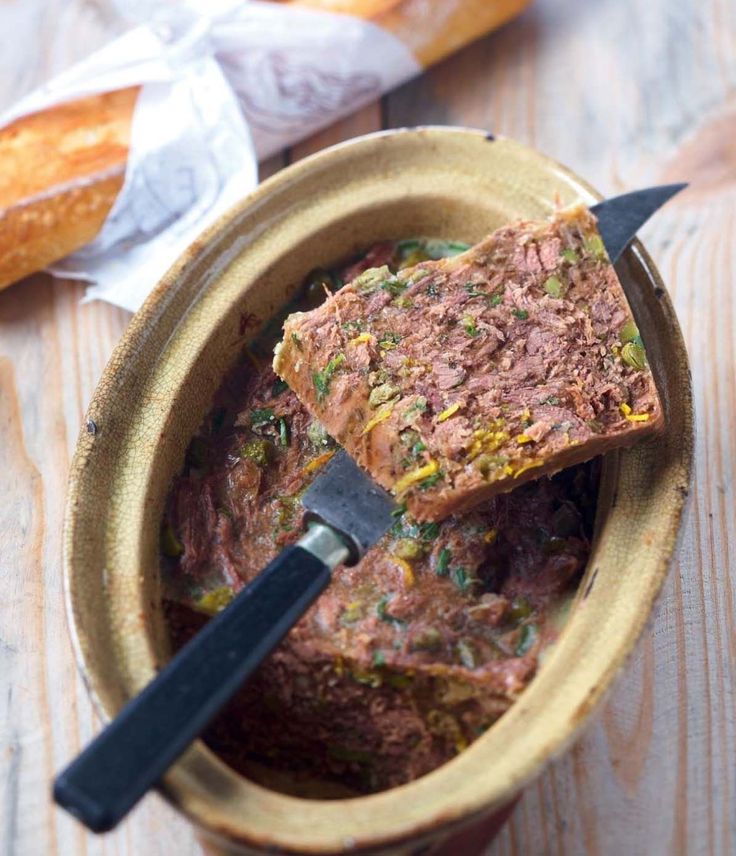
column 135, row 750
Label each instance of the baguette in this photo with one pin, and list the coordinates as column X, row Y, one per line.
column 62, row 169
column 60, row 173
column 450, row 25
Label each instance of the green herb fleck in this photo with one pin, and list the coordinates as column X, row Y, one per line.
column 283, row 432
column 461, row 579
column 393, row 286
column 419, row 406
column 408, row 549
column 437, row 249
column 378, row 659
column 496, row 299
column 215, row 601
column 630, row 333
column 170, row 544
column 443, row 560
column 554, row 287
column 385, row 615
column 296, row 340
column 551, row 399
column 258, row 451
column 466, row 653
column 261, row 416
column 528, row 637
column 399, row 511
column 381, row 394
column 473, row 291
column 430, row 481
column 634, row 355
column 351, row 613
column 371, row 279
column 323, row 379
column 570, row 256
column 469, row 326
column 521, row 314
column 594, row 245
column 429, row 531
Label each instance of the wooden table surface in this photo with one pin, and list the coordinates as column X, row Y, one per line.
column 628, row 93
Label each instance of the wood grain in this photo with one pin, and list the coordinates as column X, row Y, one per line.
column 628, row 94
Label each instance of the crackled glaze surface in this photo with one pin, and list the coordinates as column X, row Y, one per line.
column 159, row 385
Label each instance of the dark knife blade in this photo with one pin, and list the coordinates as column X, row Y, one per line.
column 621, row 217
column 347, row 499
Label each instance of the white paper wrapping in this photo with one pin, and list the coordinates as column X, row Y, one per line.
column 224, row 82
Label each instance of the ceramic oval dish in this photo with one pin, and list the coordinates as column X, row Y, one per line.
column 159, row 384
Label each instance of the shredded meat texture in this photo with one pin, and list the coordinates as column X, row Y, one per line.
column 457, row 379
column 408, row 656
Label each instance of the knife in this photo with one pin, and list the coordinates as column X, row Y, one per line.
column 346, row 514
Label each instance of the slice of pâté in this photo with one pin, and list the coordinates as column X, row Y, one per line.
column 458, row 379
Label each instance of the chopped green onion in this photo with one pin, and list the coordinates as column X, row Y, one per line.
column 385, row 615
column 283, row 432
column 529, row 635
column 443, row 560
column 408, row 245
column 496, row 299
column 408, row 549
column 170, row 544
column 437, row 249
column 521, row 314
column 461, row 579
column 429, row 531
column 261, row 416
column 393, row 286
column 323, row 379
column 379, row 659
column 594, row 245
column 430, row 481
column 554, row 287
column 258, row 451
column 634, row 355
column 630, row 333
column 467, row 655
column 469, row 326
column 470, row 287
